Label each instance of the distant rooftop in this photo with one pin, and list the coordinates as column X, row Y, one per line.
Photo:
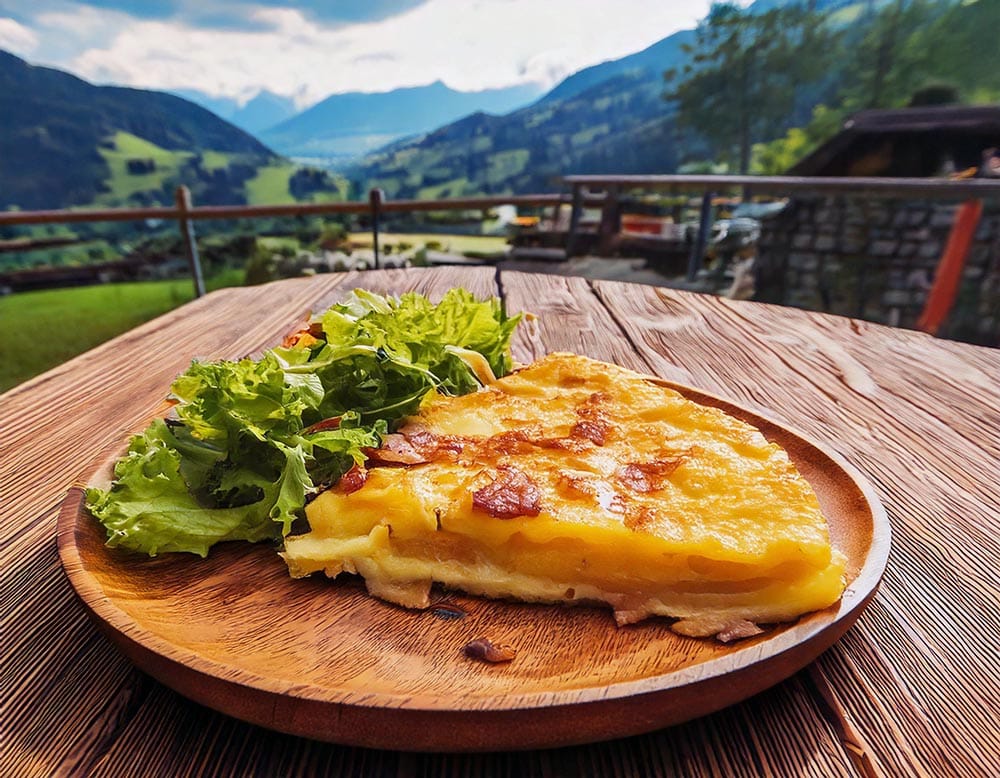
column 924, row 141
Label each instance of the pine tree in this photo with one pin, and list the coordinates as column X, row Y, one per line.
column 740, row 85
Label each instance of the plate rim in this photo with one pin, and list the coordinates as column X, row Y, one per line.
column 806, row 631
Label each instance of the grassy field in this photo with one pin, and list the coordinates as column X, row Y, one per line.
column 270, row 185
column 215, row 160
column 43, row 329
column 124, row 184
column 39, row 330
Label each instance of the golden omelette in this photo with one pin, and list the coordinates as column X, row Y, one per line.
column 576, row 480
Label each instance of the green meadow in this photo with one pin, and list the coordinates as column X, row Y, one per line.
column 121, row 183
column 270, row 184
column 45, row 328
column 39, row 330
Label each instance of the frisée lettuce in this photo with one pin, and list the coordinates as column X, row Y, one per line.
column 250, row 440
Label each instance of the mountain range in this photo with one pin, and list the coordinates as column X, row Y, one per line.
column 345, row 126
column 264, row 110
column 610, row 117
column 65, row 142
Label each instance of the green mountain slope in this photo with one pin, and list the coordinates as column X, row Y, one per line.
column 612, row 118
column 65, row 142
column 668, row 50
column 607, row 118
column 597, row 130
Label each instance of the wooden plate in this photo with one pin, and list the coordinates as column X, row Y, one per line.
column 322, row 659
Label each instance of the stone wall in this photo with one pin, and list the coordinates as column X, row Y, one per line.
column 876, row 259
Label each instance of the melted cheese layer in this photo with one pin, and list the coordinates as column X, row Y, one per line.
column 627, row 494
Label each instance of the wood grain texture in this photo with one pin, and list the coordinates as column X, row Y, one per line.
column 922, row 418
column 916, row 677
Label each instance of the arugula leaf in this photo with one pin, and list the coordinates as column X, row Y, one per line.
column 253, row 439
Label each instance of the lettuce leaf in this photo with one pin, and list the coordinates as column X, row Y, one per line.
column 254, row 439
column 149, row 507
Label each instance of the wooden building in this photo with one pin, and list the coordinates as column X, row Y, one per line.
column 928, row 141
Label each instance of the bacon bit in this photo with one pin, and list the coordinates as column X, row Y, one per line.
column 594, row 430
column 576, row 445
column 510, row 442
column 300, row 339
column 591, row 408
column 574, row 484
column 414, row 446
column 639, row 519
column 509, row 495
column 595, row 400
column 593, row 425
column 647, row 476
column 352, row 480
column 419, row 437
column 600, row 491
column 487, row 651
column 396, row 449
column 431, row 445
column 332, row 423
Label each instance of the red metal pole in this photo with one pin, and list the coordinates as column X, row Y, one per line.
column 949, row 271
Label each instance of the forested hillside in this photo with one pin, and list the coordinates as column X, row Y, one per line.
column 610, row 117
column 750, row 90
column 66, row 142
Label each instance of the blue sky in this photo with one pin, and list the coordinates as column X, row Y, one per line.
column 308, row 50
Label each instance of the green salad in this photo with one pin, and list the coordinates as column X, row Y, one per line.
column 249, row 441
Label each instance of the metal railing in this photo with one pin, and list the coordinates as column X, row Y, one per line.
column 185, row 214
column 613, row 188
column 925, row 188
column 609, row 193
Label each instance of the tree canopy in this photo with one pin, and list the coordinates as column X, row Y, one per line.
column 745, row 74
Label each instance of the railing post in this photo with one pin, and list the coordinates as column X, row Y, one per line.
column 375, row 199
column 182, row 197
column 611, row 222
column 701, row 240
column 576, row 209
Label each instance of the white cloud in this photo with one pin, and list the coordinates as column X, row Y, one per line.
column 17, row 38
column 468, row 44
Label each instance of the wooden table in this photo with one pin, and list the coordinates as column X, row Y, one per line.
column 912, row 689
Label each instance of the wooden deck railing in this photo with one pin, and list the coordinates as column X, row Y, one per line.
column 615, row 187
column 607, row 192
column 185, row 214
